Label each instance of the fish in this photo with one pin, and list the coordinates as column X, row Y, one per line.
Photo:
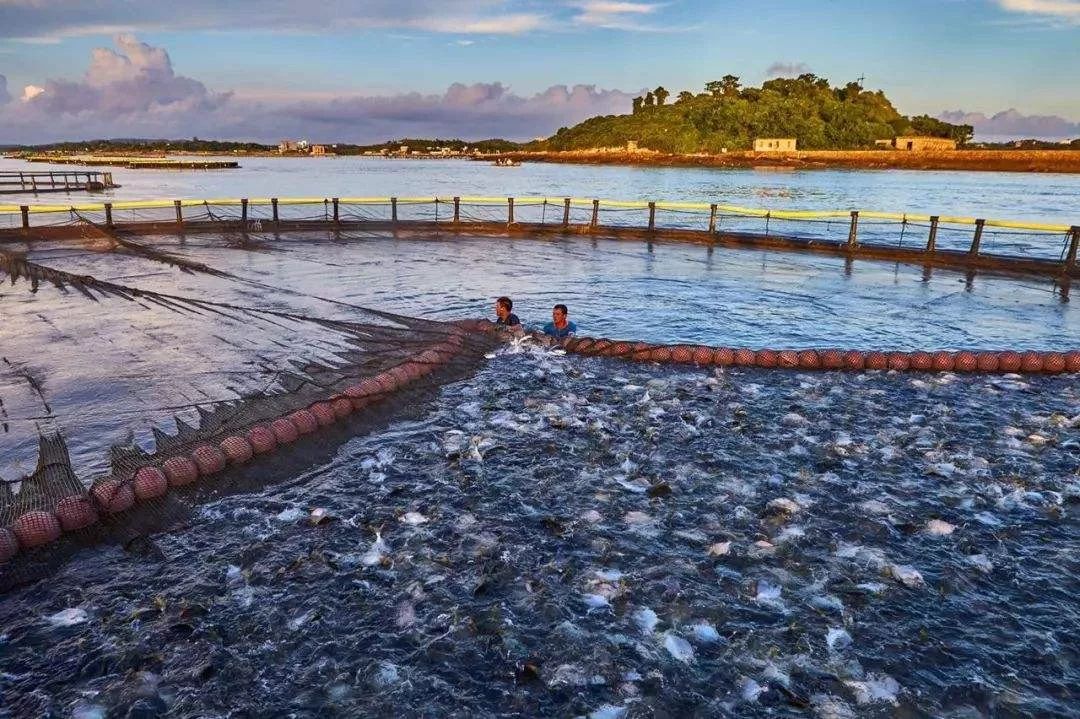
column 939, row 528
column 68, row 617
column 413, row 519
column 595, row 601
column 876, row 688
column 705, row 633
column 376, row 553
column 719, row 549
column 906, row 574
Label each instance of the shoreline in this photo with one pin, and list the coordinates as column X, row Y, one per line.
column 1040, row 161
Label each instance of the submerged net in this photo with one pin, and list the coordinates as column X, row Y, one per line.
column 197, row 397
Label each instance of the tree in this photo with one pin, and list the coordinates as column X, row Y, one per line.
column 637, row 104
column 685, row 96
column 661, row 95
column 729, row 85
column 650, row 99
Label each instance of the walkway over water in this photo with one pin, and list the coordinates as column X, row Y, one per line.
column 12, row 183
column 930, row 240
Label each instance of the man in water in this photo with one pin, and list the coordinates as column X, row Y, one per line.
column 559, row 327
column 504, row 315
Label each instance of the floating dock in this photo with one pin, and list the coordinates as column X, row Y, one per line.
column 137, row 163
column 12, row 183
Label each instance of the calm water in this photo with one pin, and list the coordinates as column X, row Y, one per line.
column 589, row 537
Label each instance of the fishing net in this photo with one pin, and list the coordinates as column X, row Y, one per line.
column 124, row 405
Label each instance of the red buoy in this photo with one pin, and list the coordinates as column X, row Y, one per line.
column 284, row 430
column 401, row 374
column 766, row 358
column 114, row 495
column 899, row 361
column 944, row 361
column 323, row 413
column 237, row 450
column 342, row 407
column 9, row 544
column 744, row 357
column 1072, row 361
column 788, row 359
column 922, row 361
column 386, row 381
column 966, row 362
column 1009, row 361
column 304, row 421
column 854, row 360
column 723, row 357
column 660, row 354
column 618, row 349
column 832, row 359
column 1053, row 362
column 987, row 361
column 600, row 346
column 877, row 360
column 703, row 355
column 149, row 482
column 1031, row 362
column 262, row 439
column 36, row 528
column 180, row 471
column 808, row 359
column 681, row 354
column 208, row 458
column 75, row 511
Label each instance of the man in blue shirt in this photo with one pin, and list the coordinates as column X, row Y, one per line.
column 559, row 327
column 504, row 315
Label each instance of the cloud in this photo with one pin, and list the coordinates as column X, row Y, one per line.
column 134, row 91
column 37, row 20
column 1053, row 10
column 1014, row 125
column 30, row 92
column 613, row 14
column 787, row 69
column 5, row 96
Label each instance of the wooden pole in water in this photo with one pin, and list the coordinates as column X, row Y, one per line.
column 273, row 206
column 335, row 201
column 1074, row 244
column 712, row 219
column 853, row 231
column 931, row 242
column 566, row 212
column 393, row 210
column 108, row 215
column 978, row 237
column 25, row 210
column 243, row 210
column 179, row 212
column 652, row 216
column 457, row 210
column 509, row 210
column 595, row 215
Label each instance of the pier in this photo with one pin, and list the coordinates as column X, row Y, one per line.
column 60, row 181
column 136, row 163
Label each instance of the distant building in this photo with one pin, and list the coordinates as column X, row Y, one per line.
column 774, row 144
column 404, row 149
column 319, row 150
column 631, row 146
column 302, row 146
column 286, row 146
column 923, row 144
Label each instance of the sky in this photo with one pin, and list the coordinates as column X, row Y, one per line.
column 373, row 70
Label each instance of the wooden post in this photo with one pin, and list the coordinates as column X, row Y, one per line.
column 393, row 210
column 931, row 242
column 712, row 219
column 566, row 212
column 457, row 210
column 336, row 216
column 1074, row 244
column 22, row 183
column 273, row 206
column 108, row 215
column 595, row 215
column 179, row 212
column 853, row 231
column 652, row 216
column 25, row 210
column 977, row 240
column 509, row 210
column 243, row 210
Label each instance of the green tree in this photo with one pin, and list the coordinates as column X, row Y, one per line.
column 650, row 99
column 637, row 104
column 685, row 96
column 661, row 95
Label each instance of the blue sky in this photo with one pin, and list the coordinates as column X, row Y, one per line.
column 963, row 56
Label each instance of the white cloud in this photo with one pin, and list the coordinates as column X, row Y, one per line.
column 1014, row 125
column 1056, row 10
column 133, row 91
column 30, row 92
column 787, row 69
